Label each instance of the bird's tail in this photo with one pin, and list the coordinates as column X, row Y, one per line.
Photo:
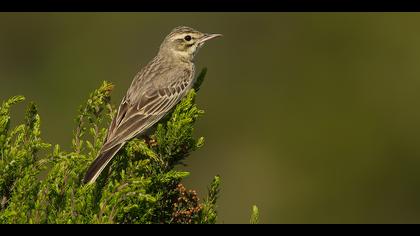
column 100, row 163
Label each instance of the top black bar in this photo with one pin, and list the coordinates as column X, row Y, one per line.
column 208, row 5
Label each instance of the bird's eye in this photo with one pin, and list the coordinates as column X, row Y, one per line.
column 187, row 38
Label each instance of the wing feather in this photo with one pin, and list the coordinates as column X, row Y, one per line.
column 134, row 119
column 149, row 98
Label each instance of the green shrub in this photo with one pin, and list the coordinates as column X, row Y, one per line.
column 40, row 183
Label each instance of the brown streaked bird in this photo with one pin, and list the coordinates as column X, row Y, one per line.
column 155, row 90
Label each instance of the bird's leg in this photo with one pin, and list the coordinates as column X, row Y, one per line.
column 150, row 141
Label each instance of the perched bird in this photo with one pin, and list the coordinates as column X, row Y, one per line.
column 155, row 90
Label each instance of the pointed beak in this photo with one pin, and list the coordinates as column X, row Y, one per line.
column 208, row 37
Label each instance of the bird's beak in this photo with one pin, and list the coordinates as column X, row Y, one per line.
column 208, row 37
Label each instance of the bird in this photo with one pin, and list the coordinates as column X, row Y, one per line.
column 154, row 91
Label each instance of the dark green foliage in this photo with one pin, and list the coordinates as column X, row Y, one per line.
column 209, row 214
column 19, row 167
column 40, row 184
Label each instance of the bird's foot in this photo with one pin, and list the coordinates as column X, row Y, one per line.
column 150, row 141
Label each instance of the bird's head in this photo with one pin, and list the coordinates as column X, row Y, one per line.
column 184, row 42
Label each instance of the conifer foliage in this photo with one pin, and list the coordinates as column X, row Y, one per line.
column 41, row 183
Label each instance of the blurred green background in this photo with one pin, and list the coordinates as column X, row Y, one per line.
column 314, row 117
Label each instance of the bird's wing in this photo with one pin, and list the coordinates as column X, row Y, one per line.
column 134, row 118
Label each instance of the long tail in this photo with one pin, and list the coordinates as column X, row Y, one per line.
column 100, row 163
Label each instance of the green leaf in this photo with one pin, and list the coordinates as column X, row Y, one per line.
column 255, row 214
